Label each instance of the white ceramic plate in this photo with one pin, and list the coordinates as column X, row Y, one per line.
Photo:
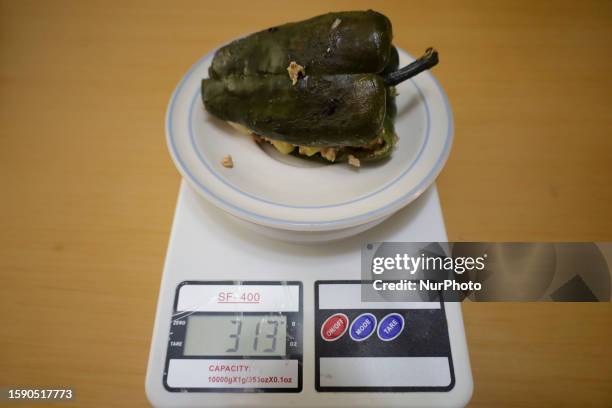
column 267, row 188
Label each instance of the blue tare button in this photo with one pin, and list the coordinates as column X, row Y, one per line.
column 390, row 326
column 363, row 326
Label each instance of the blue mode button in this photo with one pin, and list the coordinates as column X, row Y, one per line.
column 363, row 327
column 390, row 326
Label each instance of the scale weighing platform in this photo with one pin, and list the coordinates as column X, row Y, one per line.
column 244, row 320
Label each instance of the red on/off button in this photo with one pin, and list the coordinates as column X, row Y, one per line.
column 334, row 327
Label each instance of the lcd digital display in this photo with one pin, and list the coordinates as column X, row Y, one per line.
column 236, row 335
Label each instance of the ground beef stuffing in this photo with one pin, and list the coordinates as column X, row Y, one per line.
column 329, row 153
column 227, row 161
column 353, row 161
column 296, row 71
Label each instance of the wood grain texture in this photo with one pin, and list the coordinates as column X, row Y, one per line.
column 88, row 188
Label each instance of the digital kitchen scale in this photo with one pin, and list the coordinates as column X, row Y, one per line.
column 245, row 320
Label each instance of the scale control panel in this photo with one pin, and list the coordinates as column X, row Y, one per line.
column 379, row 346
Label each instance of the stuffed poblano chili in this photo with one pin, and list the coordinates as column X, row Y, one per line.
column 323, row 88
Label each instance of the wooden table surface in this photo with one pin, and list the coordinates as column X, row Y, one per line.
column 88, row 187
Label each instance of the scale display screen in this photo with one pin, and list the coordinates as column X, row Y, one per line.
column 236, row 335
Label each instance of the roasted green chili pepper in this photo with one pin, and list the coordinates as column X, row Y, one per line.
column 338, row 99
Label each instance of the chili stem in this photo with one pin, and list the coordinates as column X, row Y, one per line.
column 425, row 62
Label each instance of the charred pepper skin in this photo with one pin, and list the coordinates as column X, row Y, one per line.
column 387, row 134
column 319, row 111
column 342, row 42
column 392, row 63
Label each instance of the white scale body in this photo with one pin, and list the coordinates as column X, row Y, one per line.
column 296, row 305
